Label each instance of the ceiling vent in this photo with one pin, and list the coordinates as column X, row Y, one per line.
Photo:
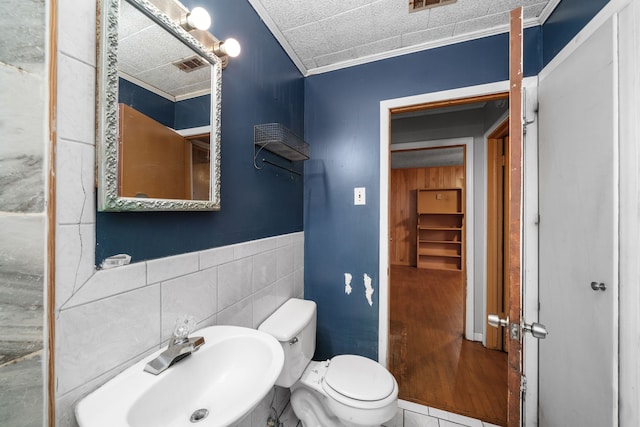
column 416, row 5
column 191, row 64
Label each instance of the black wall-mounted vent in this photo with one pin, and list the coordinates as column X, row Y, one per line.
column 416, row 5
column 191, row 64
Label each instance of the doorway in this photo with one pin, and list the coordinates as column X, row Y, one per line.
column 450, row 372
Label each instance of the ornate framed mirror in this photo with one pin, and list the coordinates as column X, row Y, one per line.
column 158, row 110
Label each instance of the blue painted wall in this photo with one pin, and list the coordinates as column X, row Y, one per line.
column 338, row 113
column 262, row 85
column 568, row 18
column 191, row 113
column 342, row 127
column 148, row 103
column 188, row 113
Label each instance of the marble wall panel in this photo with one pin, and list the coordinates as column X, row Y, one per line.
column 21, row 285
column 22, row 115
column 23, row 154
column 23, row 36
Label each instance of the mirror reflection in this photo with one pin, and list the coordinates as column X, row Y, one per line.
column 164, row 112
column 158, row 117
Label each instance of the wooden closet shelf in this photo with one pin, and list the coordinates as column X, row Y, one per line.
column 440, row 213
column 439, row 252
column 440, row 228
column 440, row 242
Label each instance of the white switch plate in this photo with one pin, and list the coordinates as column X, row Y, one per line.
column 359, row 196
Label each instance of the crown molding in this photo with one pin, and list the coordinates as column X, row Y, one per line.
column 420, row 47
column 271, row 25
column 548, row 10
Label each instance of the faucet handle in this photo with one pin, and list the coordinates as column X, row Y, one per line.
column 184, row 325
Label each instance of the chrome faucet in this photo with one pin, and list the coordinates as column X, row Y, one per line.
column 180, row 346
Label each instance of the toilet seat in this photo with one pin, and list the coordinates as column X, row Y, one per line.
column 359, row 382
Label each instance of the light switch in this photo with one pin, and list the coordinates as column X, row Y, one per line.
column 359, row 196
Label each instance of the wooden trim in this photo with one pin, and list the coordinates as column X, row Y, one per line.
column 384, row 291
column 514, row 178
column 497, row 229
column 491, row 337
column 495, row 233
column 51, row 213
column 450, row 103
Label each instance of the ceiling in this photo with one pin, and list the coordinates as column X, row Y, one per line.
column 320, row 36
column 146, row 56
column 326, row 35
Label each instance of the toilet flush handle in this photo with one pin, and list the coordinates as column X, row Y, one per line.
column 293, row 341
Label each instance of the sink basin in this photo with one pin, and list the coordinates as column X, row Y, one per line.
column 215, row 386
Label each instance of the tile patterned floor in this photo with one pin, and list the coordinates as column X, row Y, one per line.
column 413, row 415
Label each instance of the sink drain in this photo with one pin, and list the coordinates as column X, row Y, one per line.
column 199, row 415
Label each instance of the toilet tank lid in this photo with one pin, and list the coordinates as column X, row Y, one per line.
column 288, row 320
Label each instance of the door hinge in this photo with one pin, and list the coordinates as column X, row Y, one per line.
column 503, row 160
column 523, row 385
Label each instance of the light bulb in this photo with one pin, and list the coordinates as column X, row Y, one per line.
column 199, row 18
column 231, row 47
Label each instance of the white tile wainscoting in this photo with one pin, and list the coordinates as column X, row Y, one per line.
column 120, row 315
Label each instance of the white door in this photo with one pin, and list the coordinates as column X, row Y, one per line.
column 578, row 202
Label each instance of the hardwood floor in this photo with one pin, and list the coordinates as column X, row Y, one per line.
column 428, row 355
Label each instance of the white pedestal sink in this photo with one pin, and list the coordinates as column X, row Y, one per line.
column 215, row 386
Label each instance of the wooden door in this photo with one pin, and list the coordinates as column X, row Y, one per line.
column 497, row 228
column 154, row 161
column 578, row 196
column 402, row 217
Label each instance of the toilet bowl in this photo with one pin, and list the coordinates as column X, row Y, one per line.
column 347, row 390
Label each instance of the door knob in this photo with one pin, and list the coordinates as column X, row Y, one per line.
column 495, row 321
column 536, row 329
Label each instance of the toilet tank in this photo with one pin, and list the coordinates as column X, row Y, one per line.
column 294, row 325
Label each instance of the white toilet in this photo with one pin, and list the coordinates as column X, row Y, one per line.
column 347, row 390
